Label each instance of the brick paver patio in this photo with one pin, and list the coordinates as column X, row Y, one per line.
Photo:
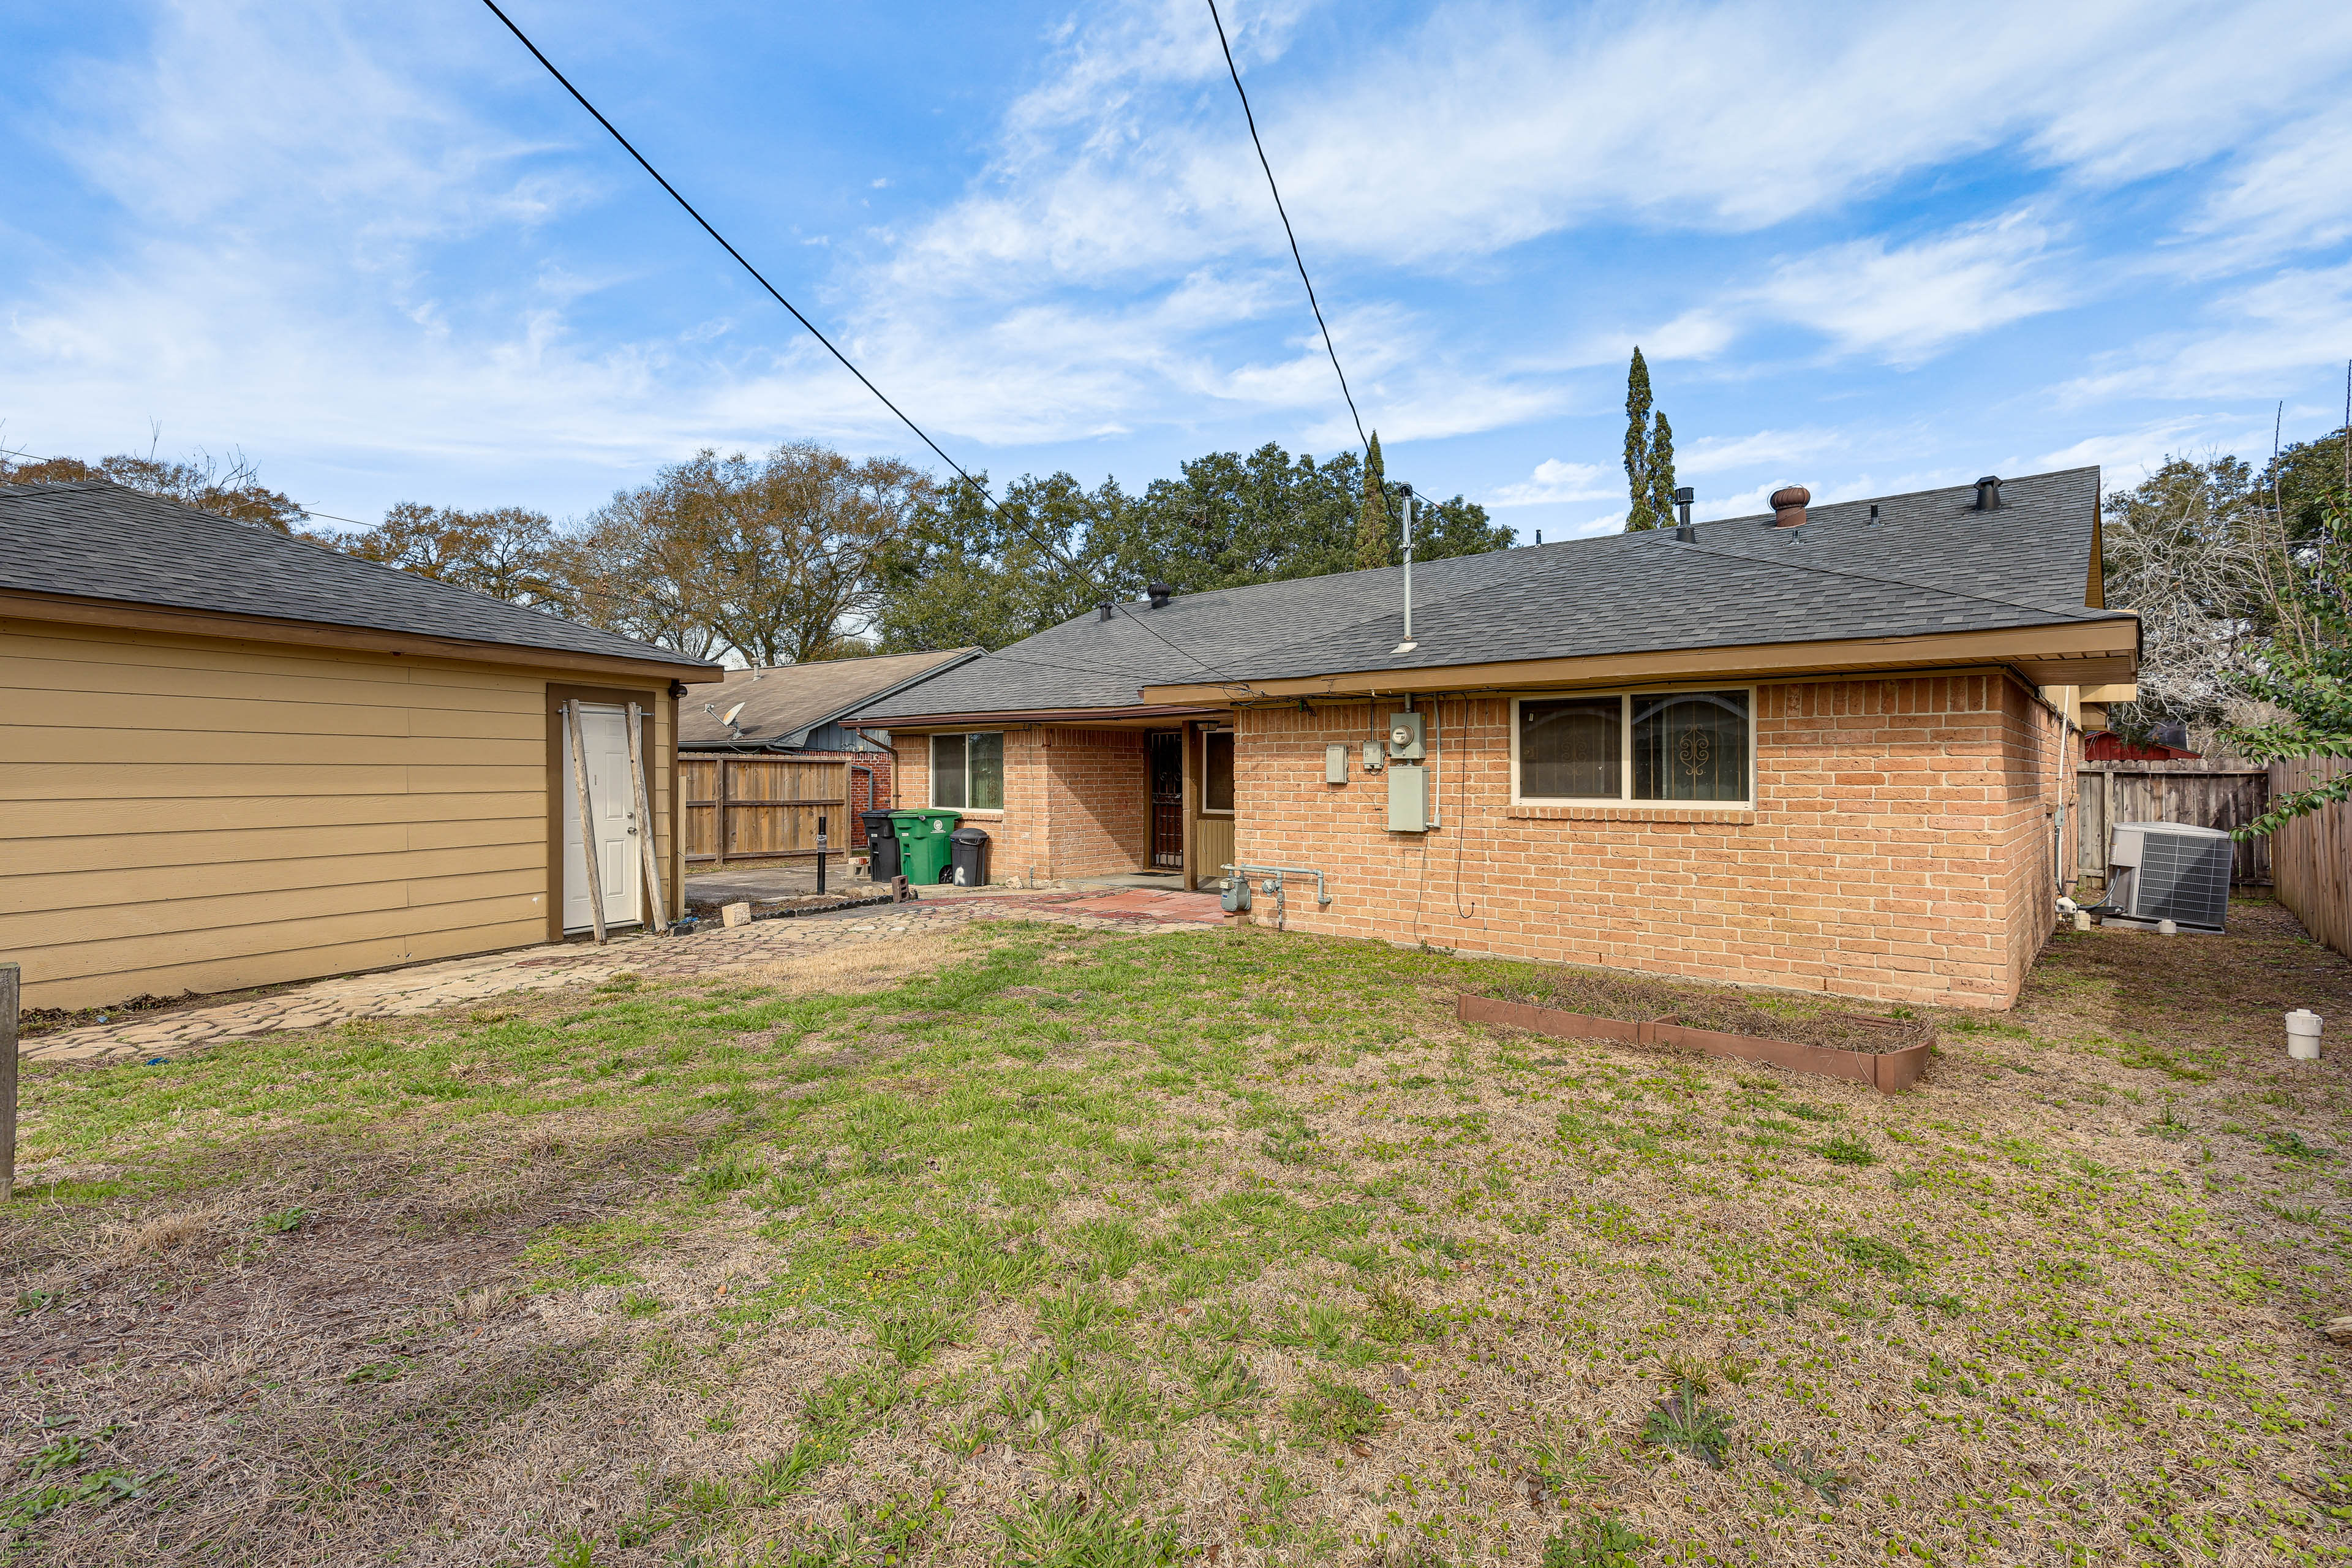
column 428, row 987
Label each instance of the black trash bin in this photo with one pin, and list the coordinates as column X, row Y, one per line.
column 881, row 845
column 968, row 860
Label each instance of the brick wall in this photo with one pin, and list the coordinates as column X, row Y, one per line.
column 1077, row 802
column 1898, row 851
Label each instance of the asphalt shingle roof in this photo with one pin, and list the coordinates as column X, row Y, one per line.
column 1930, row 563
column 94, row 539
column 788, row 700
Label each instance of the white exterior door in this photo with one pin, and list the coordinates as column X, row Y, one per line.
column 612, row 803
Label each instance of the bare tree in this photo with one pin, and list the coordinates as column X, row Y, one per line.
column 198, row 481
column 642, row 567
column 508, row 552
column 790, row 545
column 2182, row 549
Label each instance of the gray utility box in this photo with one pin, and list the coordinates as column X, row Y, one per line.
column 1335, row 763
column 1408, row 800
column 2170, row 871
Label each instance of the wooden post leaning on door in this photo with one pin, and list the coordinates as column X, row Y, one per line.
column 645, row 826
column 587, row 821
column 11, row 981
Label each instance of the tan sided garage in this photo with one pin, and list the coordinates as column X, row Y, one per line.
column 231, row 758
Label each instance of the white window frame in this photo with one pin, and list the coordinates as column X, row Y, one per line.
column 1624, row 795
column 932, row 762
column 1206, row 809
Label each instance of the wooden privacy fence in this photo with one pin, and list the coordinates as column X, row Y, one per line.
column 2201, row 794
column 745, row 808
column 2312, row 855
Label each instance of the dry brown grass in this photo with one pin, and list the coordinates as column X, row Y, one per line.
column 2068, row 1312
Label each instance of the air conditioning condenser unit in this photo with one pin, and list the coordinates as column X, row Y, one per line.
column 2168, row 872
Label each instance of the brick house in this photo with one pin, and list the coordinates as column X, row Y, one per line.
column 1833, row 748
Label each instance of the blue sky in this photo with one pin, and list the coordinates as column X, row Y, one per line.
column 1869, row 248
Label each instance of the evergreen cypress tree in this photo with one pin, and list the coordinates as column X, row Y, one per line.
column 1373, row 546
column 1639, row 487
column 1662, row 473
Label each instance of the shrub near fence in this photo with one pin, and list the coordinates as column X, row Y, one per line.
column 2311, row 856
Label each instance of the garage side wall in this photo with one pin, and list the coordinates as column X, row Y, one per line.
column 181, row 813
column 1897, row 849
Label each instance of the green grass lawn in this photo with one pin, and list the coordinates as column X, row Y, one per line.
column 1043, row 1247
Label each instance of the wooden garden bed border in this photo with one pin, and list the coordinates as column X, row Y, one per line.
column 1889, row 1072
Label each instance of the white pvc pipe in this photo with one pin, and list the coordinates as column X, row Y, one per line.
column 2303, row 1035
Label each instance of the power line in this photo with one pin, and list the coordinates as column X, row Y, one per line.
column 756, row 276
column 1312, row 302
column 1051, row 548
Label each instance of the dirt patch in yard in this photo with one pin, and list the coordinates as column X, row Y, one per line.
column 1733, row 1010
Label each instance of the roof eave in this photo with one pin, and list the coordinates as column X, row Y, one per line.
column 80, row 611
column 2101, row 650
column 1040, row 715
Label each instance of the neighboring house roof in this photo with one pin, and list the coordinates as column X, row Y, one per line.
column 2106, row 746
column 98, row 541
column 782, row 705
column 1931, row 563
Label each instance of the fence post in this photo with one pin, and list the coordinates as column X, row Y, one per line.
column 11, row 985
column 719, row 811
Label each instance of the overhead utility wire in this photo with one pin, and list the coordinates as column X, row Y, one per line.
column 1312, row 302
column 757, row 276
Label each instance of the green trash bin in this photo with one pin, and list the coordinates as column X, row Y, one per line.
column 924, row 842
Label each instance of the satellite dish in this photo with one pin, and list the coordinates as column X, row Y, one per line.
column 729, row 717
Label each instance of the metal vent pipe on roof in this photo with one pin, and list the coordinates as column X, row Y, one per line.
column 1683, row 529
column 1989, row 493
column 1789, row 506
column 1406, row 492
column 1106, row 610
column 1161, row 594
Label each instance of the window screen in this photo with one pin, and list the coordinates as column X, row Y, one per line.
column 947, row 772
column 1691, row 745
column 1572, row 748
column 1217, row 772
column 985, row 759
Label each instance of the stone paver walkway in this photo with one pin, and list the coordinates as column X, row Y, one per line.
column 428, row 987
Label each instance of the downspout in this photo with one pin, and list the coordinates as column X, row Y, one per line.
column 857, row 822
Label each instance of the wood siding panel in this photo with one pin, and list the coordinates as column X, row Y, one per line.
column 250, row 748
column 23, row 822
column 188, row 814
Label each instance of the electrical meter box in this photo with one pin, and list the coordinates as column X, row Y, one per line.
column 1335, row 763
column 1408, row 800
column 1404, row 736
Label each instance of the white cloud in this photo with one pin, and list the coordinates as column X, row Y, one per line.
column 1555, row 481
column 1719, row 454
column 2289, row 196
column 1489, row 125
column 2262, row 340
column 1904, row 302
